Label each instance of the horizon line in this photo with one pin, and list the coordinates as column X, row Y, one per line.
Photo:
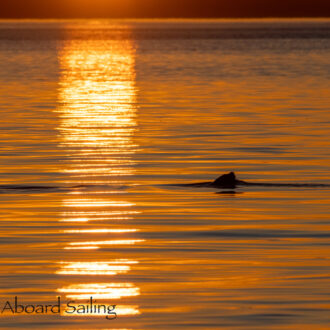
column 170, row 18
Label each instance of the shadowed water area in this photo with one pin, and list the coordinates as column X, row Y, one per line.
column 106, row 127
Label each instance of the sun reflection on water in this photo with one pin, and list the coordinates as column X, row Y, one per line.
column 97, row 96
column 95, row 203
column 98, row 244
column 97, row 110
column 115, row 231
column 96, row 267
column 100, row 290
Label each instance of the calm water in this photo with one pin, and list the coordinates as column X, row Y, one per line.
column 122, row 109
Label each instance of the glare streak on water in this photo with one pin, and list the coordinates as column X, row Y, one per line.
column 110, row 114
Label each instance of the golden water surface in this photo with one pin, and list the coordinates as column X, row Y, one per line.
column 111, row 114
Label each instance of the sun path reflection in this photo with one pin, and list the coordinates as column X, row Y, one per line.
column 97, row 98
column 97, row 110
column 96, row 268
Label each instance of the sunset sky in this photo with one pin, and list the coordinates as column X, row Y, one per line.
column 162, row 8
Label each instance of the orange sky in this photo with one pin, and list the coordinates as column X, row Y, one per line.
column 163, row 8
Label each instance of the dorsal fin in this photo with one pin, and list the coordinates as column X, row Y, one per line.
column 226, row 180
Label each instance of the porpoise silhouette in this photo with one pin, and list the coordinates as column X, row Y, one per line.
column 226, row 181
column 229, row 180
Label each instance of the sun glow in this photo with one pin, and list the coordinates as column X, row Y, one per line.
column 97, row 97
column 97, row 112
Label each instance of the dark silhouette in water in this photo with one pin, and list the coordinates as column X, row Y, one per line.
column 15, row 188
column 26, row 187
column 230, row 181
column 226, row 181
